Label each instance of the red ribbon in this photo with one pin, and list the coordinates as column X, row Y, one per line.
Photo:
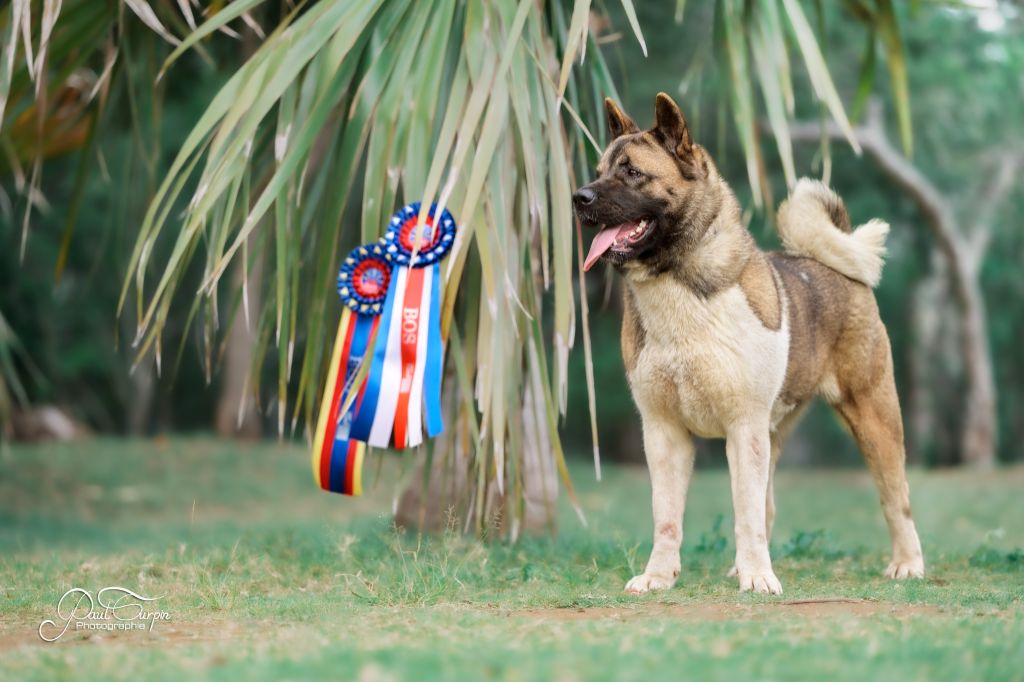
column 339, row 387
column 409, row 329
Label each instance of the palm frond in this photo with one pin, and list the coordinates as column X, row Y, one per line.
column 474, row 105
column 754, row 34
column 58, row 59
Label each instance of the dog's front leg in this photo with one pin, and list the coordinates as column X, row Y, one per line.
column 669, row 451
column 749, row 453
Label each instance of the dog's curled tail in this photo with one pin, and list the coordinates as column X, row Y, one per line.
column 813, row 222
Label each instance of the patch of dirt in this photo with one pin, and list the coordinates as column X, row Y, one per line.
column 163, row 634
column 173, row 633
column 713, row 611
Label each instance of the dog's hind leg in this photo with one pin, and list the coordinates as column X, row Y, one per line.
column 869, row 405
column 777, row 441
column 779, row 435
column 670, row 453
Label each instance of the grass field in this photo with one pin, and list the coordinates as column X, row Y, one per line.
column 265, row 577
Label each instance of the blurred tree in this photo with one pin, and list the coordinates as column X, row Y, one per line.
column 11, row 389
column 78, row 91
column 237, row 407
column 969, row 105
column 963, row 249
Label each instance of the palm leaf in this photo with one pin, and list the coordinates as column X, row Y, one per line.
column 739, row 83
column 817, row 70
column 326, row 96
column 752, row 33
column 767, row 62
column 889, row 30
column 866, row 82
column 48, row 48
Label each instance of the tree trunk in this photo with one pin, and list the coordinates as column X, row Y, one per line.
column 540, row 482
column 978, row 441
column 933, row 404
column 137, row 390
column 237, row 413
column 441, row 501
column 237, row 408
column 978, row 429
column 142, row 381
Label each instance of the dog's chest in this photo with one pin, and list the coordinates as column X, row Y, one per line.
column 707, row 361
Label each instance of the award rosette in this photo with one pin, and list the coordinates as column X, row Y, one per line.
column 363, row 280
column 392, row 321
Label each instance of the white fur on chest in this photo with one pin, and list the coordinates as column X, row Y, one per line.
column 707, row 361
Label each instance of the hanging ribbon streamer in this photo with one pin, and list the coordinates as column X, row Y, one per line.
column 392, row 293
column 404, row 382
column 363, row 283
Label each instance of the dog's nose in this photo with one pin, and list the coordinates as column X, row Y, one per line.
column 584, row 196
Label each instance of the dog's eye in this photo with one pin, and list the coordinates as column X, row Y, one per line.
column 634, row 173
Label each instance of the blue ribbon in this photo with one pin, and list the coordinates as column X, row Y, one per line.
column 343, row 432
column 392, row 249
column 435, row 359
column 363, row 421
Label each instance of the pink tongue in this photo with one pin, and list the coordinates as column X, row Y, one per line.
column 603, row 241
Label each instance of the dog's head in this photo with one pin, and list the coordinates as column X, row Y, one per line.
column 653, row 190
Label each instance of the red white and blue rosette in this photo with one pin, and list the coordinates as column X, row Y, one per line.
column 363, row 281
column 392, row 296
column 403, row 389
column 436, row 237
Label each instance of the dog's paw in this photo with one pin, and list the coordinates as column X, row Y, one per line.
column 910, row 568
column 645, row 582
column 762, row 583
column 732, row 572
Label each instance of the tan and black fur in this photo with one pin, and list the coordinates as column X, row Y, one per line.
column 720, row 339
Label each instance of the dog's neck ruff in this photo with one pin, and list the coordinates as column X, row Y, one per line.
column 711, row 259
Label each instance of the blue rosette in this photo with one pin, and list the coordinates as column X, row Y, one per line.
column 435, row 243
column 364, row 277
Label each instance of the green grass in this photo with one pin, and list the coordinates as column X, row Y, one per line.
column 267, row 578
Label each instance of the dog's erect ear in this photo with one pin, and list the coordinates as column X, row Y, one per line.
column 618, row 123
column 670, row 126
column 671, row 130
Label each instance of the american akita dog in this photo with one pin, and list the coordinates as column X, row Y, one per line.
column 723, row 340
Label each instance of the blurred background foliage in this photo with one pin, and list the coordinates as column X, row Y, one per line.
column 963, row 64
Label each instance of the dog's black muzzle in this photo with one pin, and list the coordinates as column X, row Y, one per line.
column 583, row 197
